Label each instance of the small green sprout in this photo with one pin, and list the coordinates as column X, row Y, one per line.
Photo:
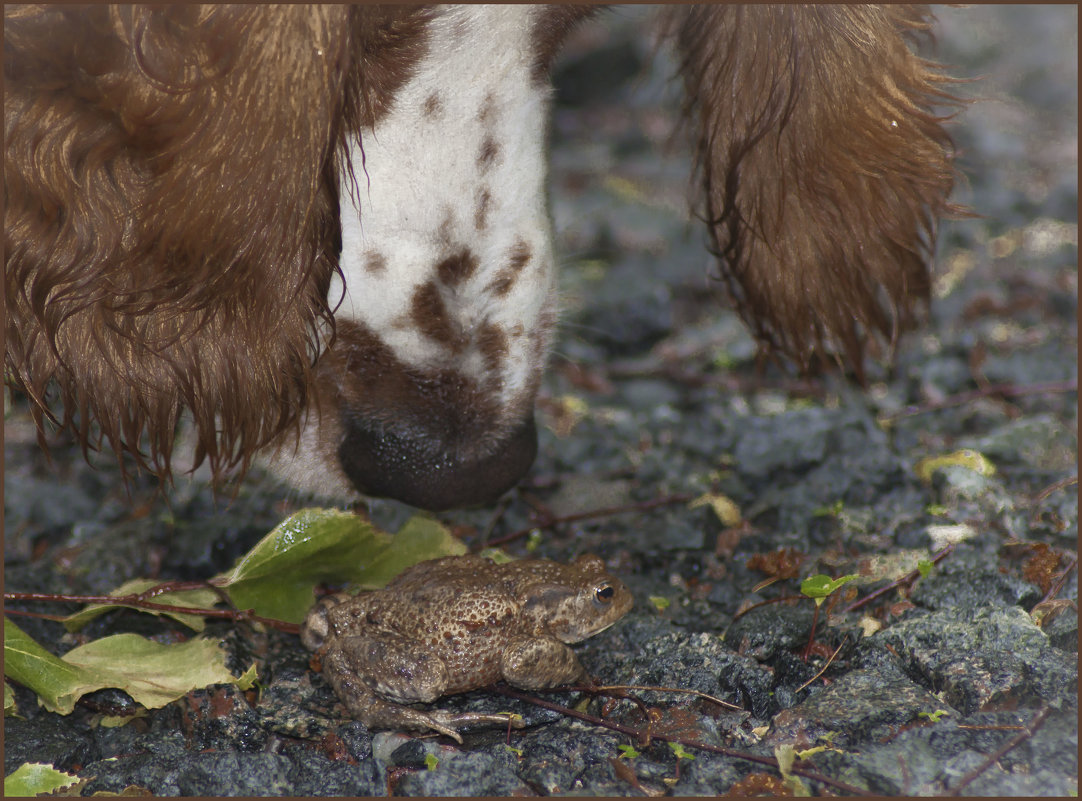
column 627, row 751
column 925, row 567
column 833, row 510
column 934, row 716
column 680, row 752
column 431, row 761
column 660, row 602
column 533, row 539
column 820, row 587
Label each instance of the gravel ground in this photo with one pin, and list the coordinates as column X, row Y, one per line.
column 964, row 680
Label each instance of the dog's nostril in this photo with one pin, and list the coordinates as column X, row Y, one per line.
column 416, row 472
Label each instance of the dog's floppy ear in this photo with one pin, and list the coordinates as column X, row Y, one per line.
column 823, row 163
column 170, row 225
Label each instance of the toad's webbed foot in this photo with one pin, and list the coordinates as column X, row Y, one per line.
column 377, row 713
column 448, row 723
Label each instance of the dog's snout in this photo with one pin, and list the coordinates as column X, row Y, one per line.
column 425, row 470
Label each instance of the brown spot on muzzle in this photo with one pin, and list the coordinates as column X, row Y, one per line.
column 434, row 439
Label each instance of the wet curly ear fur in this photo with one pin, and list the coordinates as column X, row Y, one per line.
column 171, row 212
column 823, row 164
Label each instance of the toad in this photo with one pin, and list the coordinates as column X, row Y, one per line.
column 460, row 623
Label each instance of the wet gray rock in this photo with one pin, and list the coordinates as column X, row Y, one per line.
column 861, row 706
column 488, row 772
column 978, row 657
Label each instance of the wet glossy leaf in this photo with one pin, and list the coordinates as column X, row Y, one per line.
column 197, row 599
column 32, row 778
column 57, row 684
column 420, row 539
column 277, row 578
column 152, row 673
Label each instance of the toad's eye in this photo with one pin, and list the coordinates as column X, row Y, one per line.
column 604, row 594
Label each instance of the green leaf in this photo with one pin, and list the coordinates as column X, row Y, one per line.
column 248, row 679
column 116, row 721
column 11, row 709
column 420, row 539
column 833, row 510
column 152, row 673
column 934, row 716
column 497, row 555
column 204, row 598
column 57, row 684
column 821, row 586
column 678, row 749
column 432, row 761
column 786, row 756
column 925, row 567
column 966, row 457
column 660, row 602
column 627, row 751
column 277, row 577
column 33, row 778
column 725, row 508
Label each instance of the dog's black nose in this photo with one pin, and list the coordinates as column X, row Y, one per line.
column 427, row 469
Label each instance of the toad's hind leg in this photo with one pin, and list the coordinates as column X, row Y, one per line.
column 392, row 666
column 374, row 677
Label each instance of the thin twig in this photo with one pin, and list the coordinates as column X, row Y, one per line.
column 641, row 506
column 824, row 670
column 908, row 578
column 39, row 615
column 962, row 398
column 1030, row 730
column 137, row 602
column 1053, row 591
column 768, row 602
column 681, row 690
column 811, row 634
column 1063, row 483
column 503, row 689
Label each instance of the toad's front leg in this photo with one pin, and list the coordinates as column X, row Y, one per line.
column 375, row 676
column 536, row 663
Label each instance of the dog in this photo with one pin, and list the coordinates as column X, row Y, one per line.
column 322, row 230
